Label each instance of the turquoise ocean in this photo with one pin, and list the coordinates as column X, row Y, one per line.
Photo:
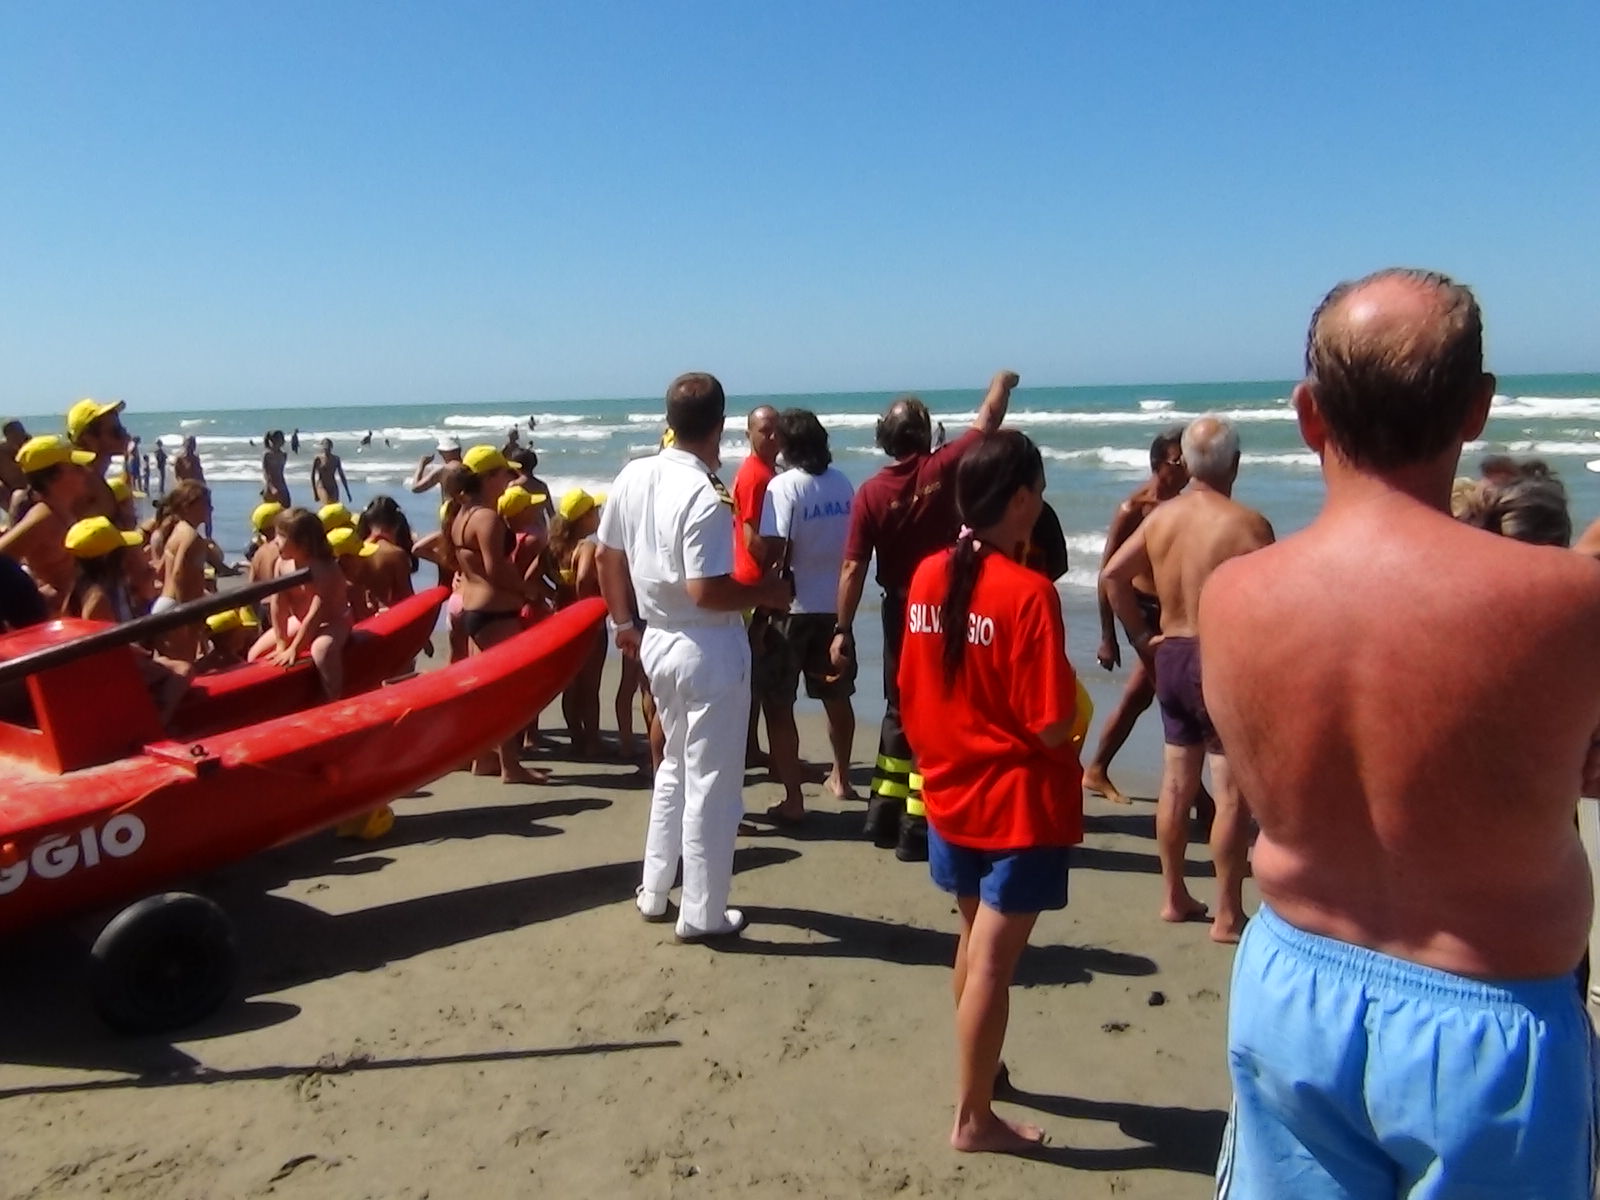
column 1095, row 442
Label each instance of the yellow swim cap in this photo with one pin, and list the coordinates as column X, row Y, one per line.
column 335, row 516
column 263, row 515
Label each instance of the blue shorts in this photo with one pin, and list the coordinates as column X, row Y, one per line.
column 1356, row 1074
column 1008, row 881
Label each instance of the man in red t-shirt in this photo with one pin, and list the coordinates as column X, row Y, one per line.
column 749, row 490
column 902, row 514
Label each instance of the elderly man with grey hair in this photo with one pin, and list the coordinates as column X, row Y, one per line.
column 1179, row 545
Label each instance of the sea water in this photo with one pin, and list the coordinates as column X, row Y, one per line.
column 1095, row 442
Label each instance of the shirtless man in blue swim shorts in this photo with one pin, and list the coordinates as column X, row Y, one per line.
column 1412, row 707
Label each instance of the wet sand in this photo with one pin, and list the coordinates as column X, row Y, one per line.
column 472, row 1007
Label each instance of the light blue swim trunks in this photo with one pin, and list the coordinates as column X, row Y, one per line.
column 1359, row 1075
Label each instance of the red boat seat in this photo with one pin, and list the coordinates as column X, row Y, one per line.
column 89, row 711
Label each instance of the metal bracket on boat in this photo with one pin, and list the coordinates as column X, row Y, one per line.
column 193, row 755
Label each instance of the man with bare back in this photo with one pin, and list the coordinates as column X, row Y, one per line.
column 1167, row 478
column 1179, row 545
column 1412, row 706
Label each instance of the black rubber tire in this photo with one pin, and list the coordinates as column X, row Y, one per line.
column 163, row 963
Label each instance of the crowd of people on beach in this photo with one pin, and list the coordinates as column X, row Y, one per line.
column 1407, row 1014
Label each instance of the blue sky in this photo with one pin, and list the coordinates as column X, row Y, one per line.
column 244, row 204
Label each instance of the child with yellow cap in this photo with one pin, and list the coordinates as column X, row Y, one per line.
column 57, row 480
column 572, row 547
column 110, row 562
column 101, row 551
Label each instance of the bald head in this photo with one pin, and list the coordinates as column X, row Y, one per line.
column 1395, row 363
column 762, row 428
column 1211, row 451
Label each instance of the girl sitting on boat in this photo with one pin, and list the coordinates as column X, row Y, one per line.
column 355, row 559
column 316, row 615
column 57, row 481
column 572, row 545
column 383, row 525
column 492, row 592
column 181, row 551
column 112, row 568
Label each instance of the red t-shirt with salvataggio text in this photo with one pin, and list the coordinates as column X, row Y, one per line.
column 749, row 490
column 988, row 782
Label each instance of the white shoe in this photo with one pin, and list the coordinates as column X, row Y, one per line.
column 732, row 926
column 652, row 906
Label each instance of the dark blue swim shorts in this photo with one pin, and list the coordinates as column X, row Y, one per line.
column 1008, row 881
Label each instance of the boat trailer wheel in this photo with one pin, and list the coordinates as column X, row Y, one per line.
column 163, row 963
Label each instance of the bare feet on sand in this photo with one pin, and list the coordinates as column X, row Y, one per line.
column 522, row 774
column 994, row 1135
column 838, row 786
column 1097, row 782
column 1186, row 909
column 1227, row 930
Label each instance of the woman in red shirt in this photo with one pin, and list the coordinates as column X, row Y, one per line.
column 990, row 706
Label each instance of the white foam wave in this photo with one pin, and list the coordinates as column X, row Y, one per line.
column 1081, row 545
column 1301, row 459
column 1081, row 578
column 1552, row 449
column 500, row 421
column 1546, row 408
column 1155, row 405
column 194, row 422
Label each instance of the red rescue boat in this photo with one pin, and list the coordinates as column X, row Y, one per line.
column 379, row 648
column 99, row 806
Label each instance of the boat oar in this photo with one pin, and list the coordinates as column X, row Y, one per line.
column 140, row 628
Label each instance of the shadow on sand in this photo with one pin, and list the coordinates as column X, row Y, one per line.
column 197, row 1074
column 1098, row 858
column 45, row 1015
column 1173, row 1139
column 910, row 945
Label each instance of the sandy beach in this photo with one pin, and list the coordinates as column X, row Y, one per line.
column 471, row 1006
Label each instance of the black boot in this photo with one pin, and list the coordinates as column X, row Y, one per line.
column 912, row 845
column 884, row 814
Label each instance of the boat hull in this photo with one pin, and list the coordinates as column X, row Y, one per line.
column 108, row 835
column 379, row 648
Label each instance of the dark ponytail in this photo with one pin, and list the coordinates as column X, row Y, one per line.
column 988, row 476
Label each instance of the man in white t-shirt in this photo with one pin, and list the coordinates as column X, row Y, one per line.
column 805, row 520
column 666, row 570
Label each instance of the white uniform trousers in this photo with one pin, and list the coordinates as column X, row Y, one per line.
column 700, row 678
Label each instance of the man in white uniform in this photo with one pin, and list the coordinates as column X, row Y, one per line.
column 668, row 531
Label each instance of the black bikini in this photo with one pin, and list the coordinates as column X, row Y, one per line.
column 475, row 620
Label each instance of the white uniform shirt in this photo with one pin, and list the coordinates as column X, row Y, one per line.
column 812, row 512
column 665, row 514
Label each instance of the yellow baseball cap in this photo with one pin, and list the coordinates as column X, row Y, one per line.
column 121, row 489
column 264, row 515
column 517, row 499
column 86, row 412
column 335, row 516
column 575, row 502
column 49, row 450
column 480, row 460
column 94, row 537
column 345, row 540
